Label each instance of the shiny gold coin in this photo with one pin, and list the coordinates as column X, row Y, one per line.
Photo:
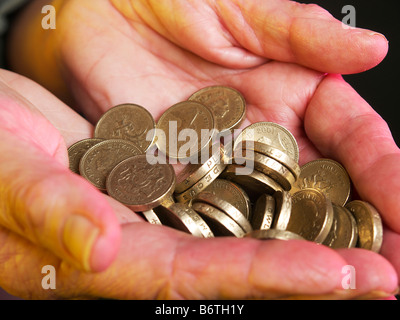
column 192, row 173
column 227, row 105
column 327, row 176
column 188, row 195
column 151, row 217
column 273, row 234
column 274, row 153
column 77, row 150
column 226, row 207
column 127, row 122
column 220, row 223
column 181, row 217
column 272, row 134
column 100, row 159
column 139, row 185
column 185, row 129
column 263, row 213
column 311, row 216
column 232, row 193
column 283, row 209
column 369, row 223
column 254, row 184
column 344, row 232
column 268, row 166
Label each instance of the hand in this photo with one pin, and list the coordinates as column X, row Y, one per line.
column 156, row 55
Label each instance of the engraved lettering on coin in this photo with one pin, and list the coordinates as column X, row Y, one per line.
column 272, row 134
column 186, row 115
column 231, row 193
column 311, row 216
column 192, row 173
column 227, row 105
column 140, row 185
column 77, row 151
column 327, row 176
column 264, row 211
column 99, row 160
column 127, row 122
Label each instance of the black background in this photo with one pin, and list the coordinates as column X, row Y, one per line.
column 378, row 86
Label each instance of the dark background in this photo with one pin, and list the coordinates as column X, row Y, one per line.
column 378, row 86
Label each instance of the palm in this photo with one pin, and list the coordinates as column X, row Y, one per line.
column 127, row 61
column 152, row 71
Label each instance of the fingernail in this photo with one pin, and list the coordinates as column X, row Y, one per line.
column 373, row 34
column 79, row 237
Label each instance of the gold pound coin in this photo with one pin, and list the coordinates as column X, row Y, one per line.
column 254, row 184
column 181, row 217
column 185, row 129
column 151, row 217
column 188, row 195
column 139, row 185
column 127, row 122
column 77, row 151
column 269, row 167
column 272, row 134
column 344, row 233
column 369, row 223
column 220, row 223
column 232, row 193
column 273, row 234
column 227, row 105
column 283, row 209
column 327, row 176
column 226, row 207
column 274, row 153
column 192, row 173
column 263, row 213
column 100, row 159
column 311, row 216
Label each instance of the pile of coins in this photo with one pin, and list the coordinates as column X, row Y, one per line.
column 250, row 187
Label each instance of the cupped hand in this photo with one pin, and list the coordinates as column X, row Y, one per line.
column 278, row 54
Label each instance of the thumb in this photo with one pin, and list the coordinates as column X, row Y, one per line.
column 46, row 203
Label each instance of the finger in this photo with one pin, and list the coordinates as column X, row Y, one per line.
column 156, row 262
column 227, row 268
column 304, row 34
column 21, row 264
column 390, row 248
column 237, row 32
column 371, row 280
column 68, row 123
column 344, row 127
column 42, row 200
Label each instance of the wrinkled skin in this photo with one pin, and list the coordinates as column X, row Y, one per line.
column 284, row 57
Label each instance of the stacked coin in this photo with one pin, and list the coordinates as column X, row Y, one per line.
column 196, row 177
column 253, row 187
